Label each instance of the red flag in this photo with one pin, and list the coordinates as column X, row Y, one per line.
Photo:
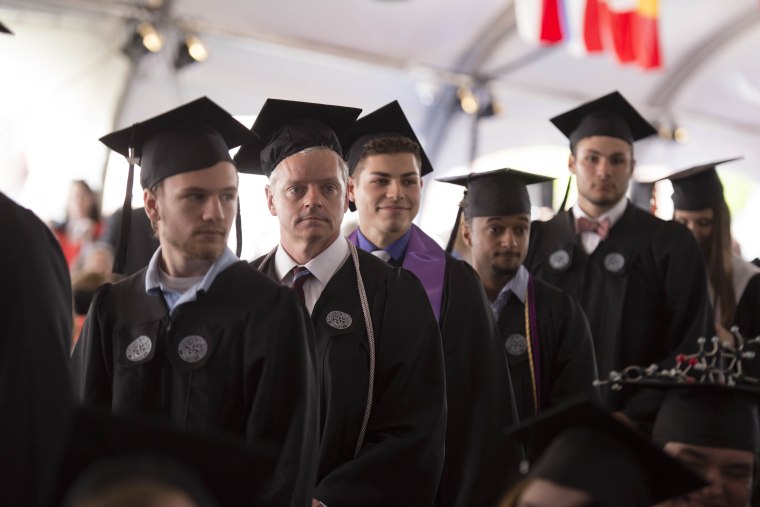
column 618, row 18
column 551, row 30
column 538, row 21
column 591, row 33
column 646, row 35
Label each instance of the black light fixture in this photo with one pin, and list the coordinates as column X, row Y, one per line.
column 144, row 39
column 478, row 100
column 669, row 130
column 190, row 50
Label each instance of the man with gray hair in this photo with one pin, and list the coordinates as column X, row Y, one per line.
column 383, row 396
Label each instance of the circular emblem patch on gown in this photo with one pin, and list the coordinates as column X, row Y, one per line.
column 192, row 348
column 139, row 348
column 338, row 320
column 614, row 262
column 559, row 259
column 516, row 344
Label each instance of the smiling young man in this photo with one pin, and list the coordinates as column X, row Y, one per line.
column 640, row 280
column 543, row 329
column 199, row 339
column 379, row 348
column 387, row 164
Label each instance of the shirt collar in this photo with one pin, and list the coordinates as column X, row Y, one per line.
column 153, row 285
column 396, row 250
column 322, row 267
column 518, row 286
column 614, row 213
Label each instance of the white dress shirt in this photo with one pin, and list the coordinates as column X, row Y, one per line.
column 590, row 240
column 322, row 268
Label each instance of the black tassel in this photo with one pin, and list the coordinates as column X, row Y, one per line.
column 238, row 231
column 455, row 231
column 120, row 259
column 567, row 193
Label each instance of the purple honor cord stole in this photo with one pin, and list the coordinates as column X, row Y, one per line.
column 427, row 260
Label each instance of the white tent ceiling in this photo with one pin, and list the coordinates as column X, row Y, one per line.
column 366, row 53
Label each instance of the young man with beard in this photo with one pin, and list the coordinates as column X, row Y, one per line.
column 640, row 280
column 543, row 329
column 199, row 339
column 379, row 348
column 386, row 164
column 734, row 283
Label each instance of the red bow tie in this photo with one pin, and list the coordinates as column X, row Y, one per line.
column 602, row 227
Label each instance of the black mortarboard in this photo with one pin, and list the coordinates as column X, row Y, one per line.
column 500, row 192
column 388, row 121
column 709, row 415
column 611, row 115
column 285, row 127
column 5, row 29
column 698, row 187
column 193, row 136
column 496, row 193
column 584, row 447
column 228, row 469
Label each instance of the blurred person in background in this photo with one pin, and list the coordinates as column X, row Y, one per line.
column 82, row 224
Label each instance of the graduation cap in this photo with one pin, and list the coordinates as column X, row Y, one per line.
column 698, row 187
column 584, row 447
column 500, row 192
column 709, row 401
column 194, row 136
column 5, row 29
column 709, row 415
column 611, row 115
column 286, row 127
column 105, row 449
column 388, row 121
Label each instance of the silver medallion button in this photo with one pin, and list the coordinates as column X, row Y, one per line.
column 516, row 344
column 139, row 349
column 614, row 262
column 338, row 320
column 192, row 348
column 559, row 259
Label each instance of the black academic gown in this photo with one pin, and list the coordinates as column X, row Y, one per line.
column 257, row 379
column 747, row 318
column 478, row 393
column 35, row 337
column 644, row 291
column 565, row 358
column 401, row 458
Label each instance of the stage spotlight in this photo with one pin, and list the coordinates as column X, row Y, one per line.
column 151, row 39
column 190, row 50
column 145, row 39
column 681, row 135
column 467, row 100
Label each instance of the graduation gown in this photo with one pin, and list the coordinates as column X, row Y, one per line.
column 747, row 316
column 644, row 292
column 35, row 336
column 565, row 359
column 401, row 457
column 477, row 378
column 239, row 360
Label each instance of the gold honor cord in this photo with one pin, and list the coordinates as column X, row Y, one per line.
column 530, row 355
